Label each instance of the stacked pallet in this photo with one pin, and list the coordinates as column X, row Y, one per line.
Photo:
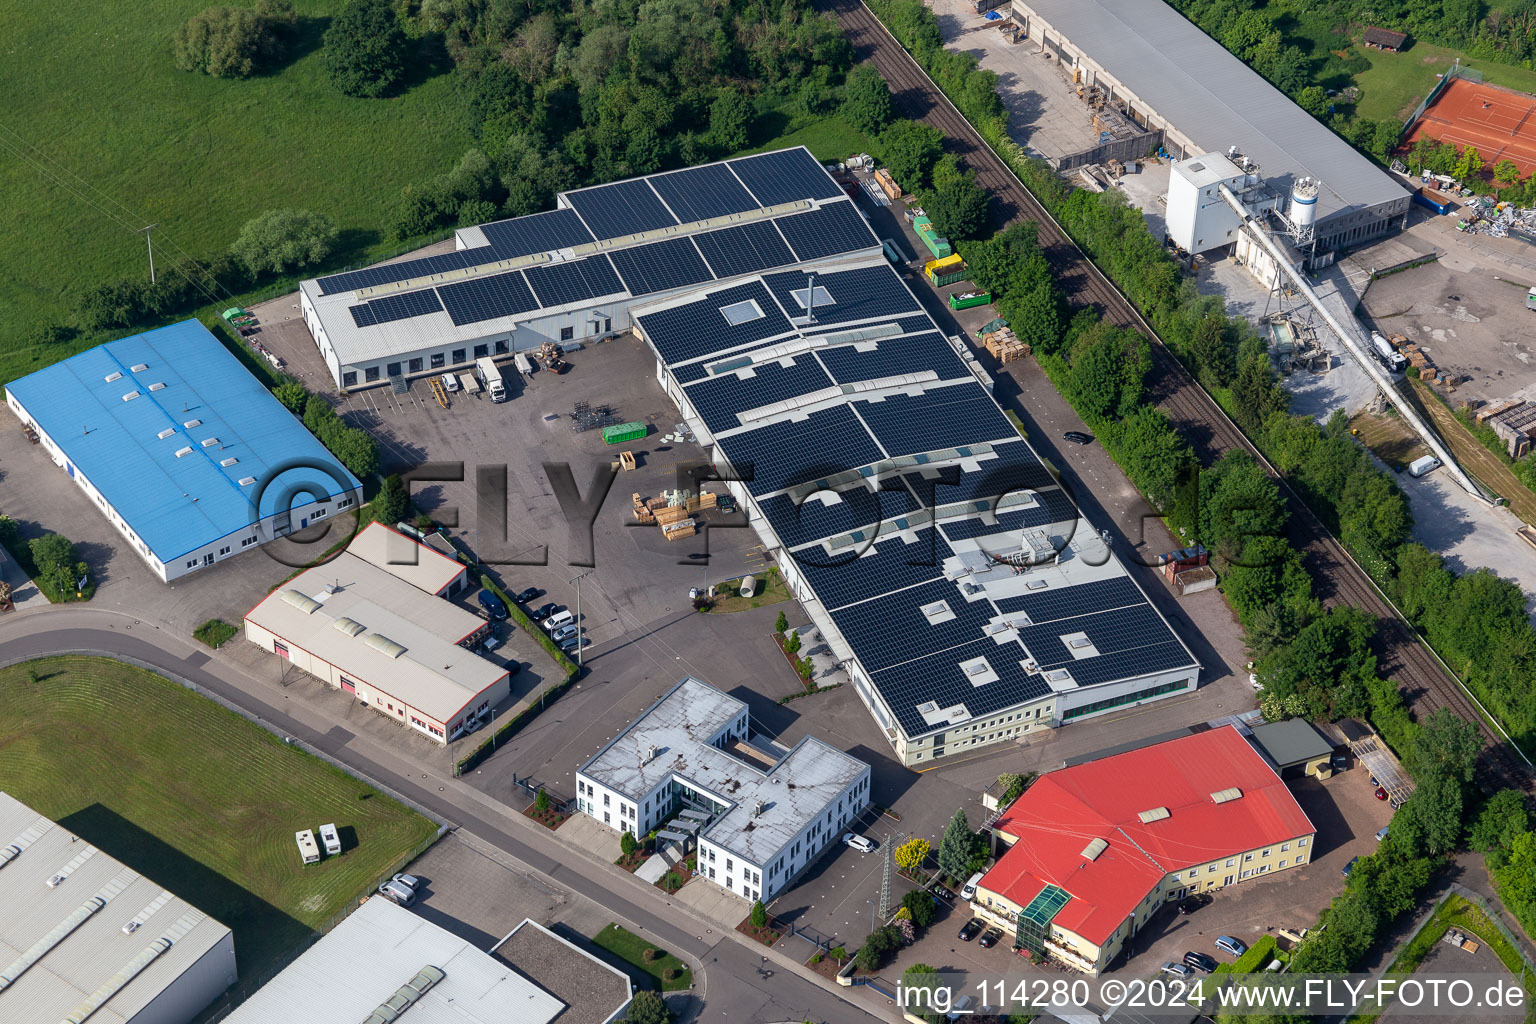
column 705, row 500
column 645, row 511
column 1004, row 345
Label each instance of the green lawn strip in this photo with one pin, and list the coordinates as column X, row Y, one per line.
column 216, row 633
column 198, row 799
column 770, row 590
column 630, row 948
column 829, row 139
column 1396, row 82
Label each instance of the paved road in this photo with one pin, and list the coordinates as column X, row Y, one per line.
column 738, row 982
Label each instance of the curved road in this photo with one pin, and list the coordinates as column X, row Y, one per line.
column 745, row 983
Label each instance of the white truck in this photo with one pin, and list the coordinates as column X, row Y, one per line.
column 1390, row 357
column 489, row 374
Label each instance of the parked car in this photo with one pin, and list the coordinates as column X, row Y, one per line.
column 571, row 644
column 968, row 890
column 963, row 1008
column 1339, row 762
column 492, row 605
column 989, row 938
column 544, row 611
column 1381, row 833
column 564, row 633
column 1177, row 970
column 1227, row 944
column 1077, row 437
column 528, row 595
column 1381, row 794
column 1193, row 902
column 858, row 842
column 411, row 882
column 1349, row 867
column 450, row 382
column 395, row 892
column 971, row 929
column 1200, row 961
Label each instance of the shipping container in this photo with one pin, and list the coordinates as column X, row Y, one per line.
column 967, row 300
column 622, row 432
column 1437, row 201
column 945, row 271
column 936, row 244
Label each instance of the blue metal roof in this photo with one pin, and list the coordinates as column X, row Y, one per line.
column 210, row 404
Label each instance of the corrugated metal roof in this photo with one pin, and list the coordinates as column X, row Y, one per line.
column 175, row 504
column 405, row 557
column 81, row 962
column 364, row 960
column 1205, row 92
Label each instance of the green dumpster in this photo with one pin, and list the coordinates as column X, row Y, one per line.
column 621, row 432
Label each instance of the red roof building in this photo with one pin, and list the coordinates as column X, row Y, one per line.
column 1095, row 848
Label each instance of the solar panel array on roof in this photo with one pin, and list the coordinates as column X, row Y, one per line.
column 894, row 629
column 660, row 266
column 941, row 417
column 389, row 308
column 1014, row 470
column 938, row 678
column 815, row 519
column 577, row 281
column 869, row 570
column 1065, row 602
column 744, row 249
column 621, row 208
column 697, row 329
column 719, row 399
column 784, row 176
column 862, row 294
column 406, row 270
column 486, row 298
column 888, row 357
column 798, row 451
column 835, row 228
column 702, row 193
column 1054, row 506
column 538, row 232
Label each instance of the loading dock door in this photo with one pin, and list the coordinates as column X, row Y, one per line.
column 1055, row 47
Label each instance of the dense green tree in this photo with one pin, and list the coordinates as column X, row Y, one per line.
column 365, row 49
column 1445, row 744
column 911, row 149
column 1211, row 354
column 1238, row 500
column 1255, row 393
column 920, row 978
column 957, row 847
column 647, row 1007
column 920, row 904
column 279, row 241
column 392, row 502
column 759, row 915
column 628, row 844
column 867, row 103
column 960, row 209
column 292, row 394
column 730, row 116
column 235, row 42
column 1035, row 316
column 1502, row 819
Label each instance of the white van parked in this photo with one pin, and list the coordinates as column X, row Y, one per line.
column 1421, row 466
column 560, row 618
column 968, row 891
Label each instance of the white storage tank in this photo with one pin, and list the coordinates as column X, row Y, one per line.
column 1303, row 212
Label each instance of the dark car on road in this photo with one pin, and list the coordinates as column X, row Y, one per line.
column 1193, row 902
column 492, row 605
column 1199, row 961
column 544, row 611
column 528, row 595
column 971, row 930
column 1077, row 437
column 989, row 938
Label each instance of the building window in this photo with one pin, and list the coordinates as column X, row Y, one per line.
column 1284, row 847
column 501, row 347
column 481, row 351
column 437, row 360
column 1282, row 862
column 349, row 379
column 416, row 365
column 605, row 800
column 458, row 355
column 1268, row 852
column 567, row 333
column 393, row 369
column 1231, row 861
column 1301, row 842
column 371, row 373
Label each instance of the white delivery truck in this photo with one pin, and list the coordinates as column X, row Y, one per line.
column 1420, row 466
column 1390, row 357
column 490, row 375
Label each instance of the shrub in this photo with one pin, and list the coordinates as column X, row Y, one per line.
column 282, row 240
column 628, row 844
column 816, row 958
column 781, row 623
column 650, row 954
column 230, row 42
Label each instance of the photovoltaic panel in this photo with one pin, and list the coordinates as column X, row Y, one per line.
column 888, row 357
column 537, row 232
column 941, row 417
column 700, row 193
column 797, row 451
column 674, row 263
column 784, row 176
column 486, row 298
column 1160, row 657
column 719, row 399
column 405, row 270
column 867, row 571
column 390, row 308
column 696, row 329
column 863, row 294
column 1053, row 507
column 893, row 629
column 1112, row 633
column 992, row 479
column 938, row 678
column 1055, row 603
column 622, row 208
column 744, row 249
column 836, row 227
column 559, row 283
column 813, row 519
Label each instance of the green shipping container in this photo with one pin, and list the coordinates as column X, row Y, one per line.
column 966, row 302
column 930, row 236
column 621, row 432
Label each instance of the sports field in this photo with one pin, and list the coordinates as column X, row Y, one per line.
column 101, row 135
column 195, row 798
column 1498, row 122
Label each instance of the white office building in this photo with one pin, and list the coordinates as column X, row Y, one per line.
column 761, row 812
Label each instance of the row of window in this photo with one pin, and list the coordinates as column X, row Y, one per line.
column 1129, row 698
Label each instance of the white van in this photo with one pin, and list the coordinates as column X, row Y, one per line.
column 1421, row 466
column 560, row 618
column 968, row 891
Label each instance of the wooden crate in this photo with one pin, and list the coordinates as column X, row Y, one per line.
column 677, row 531
column 669, row 514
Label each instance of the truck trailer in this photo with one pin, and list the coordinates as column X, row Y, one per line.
column 489, row 375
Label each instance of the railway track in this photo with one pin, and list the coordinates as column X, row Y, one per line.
column 1427, row 686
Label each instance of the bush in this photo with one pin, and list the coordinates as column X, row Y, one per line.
column 58, row 565
column 229, row 42
column 628, row 844
column 279, row 241
column 365, row 49
column 867, row 103
column 542, row 802
column 919, row 903
column 649, row 1008
column 816, row 958
column 650, row 954
column 353, row 447
column 293, row 395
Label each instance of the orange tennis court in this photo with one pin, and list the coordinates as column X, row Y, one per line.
column 1499, row 123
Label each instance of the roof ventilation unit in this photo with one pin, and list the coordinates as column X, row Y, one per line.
column 192, row 423
column 1226, row 795
column 226, row 463
column 183, row 452
column 56, row 881
column 1093, row 849
column 1155, row 814
column 246, row 481
column 351, row 627
column 302, row 602
column 158, row 385
column 209, row 442
column 139, row 367
column 114, row 375
column 167, row 432
column 383, row 644
column 130, row 396
column 130, row 927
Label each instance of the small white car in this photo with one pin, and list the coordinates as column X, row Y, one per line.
column 1177, row 970
column 858, row 842
column 451, row 382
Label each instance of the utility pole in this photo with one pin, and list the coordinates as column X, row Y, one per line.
column 581, row 643
column 885, row 880
column 145, row 232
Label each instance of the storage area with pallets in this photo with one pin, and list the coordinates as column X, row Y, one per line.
column 673, row 511
column 1004, row 345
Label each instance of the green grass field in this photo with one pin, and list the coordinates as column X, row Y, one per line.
column 829, row 139
column 1396, row 82
column 101, row 135
column 629, row 947
column 195, row 798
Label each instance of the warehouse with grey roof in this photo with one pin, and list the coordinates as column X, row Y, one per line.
column 1165, row 73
